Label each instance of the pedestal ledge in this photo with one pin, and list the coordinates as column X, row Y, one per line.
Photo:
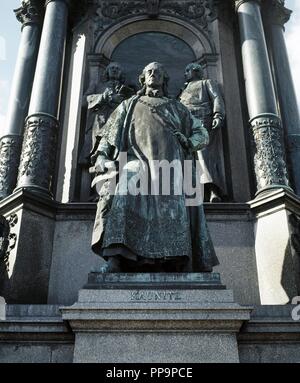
column 155, row 325
column 98, row 280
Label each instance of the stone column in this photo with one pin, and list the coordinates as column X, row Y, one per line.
column 37, row 163
column 30, row 14
column 276, row 15
column 269, row 154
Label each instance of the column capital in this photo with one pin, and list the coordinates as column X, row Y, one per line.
column 30, row 12
column 238, row 3
column 67, row 2
column 276, row 13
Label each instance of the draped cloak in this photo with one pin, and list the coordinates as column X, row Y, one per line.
column 149, row 227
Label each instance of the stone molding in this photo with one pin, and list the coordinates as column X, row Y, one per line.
column 10, row 151
column 238, row 3
column 38, row 156
column 67, row 2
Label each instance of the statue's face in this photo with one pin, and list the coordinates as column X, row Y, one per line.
column 114, row 71
column 192, row 73
column 154, row 75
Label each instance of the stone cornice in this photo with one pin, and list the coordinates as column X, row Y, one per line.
column 31, row 12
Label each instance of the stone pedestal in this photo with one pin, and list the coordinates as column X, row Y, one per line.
column 155, row 318
column 277, row 245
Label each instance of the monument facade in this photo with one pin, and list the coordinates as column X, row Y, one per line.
column 239, row 311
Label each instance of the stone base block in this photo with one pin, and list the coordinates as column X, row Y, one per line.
column 150, row 323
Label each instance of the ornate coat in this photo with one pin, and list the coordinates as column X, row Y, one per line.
column 205, row 102
column 151, row 226
column 100, row 108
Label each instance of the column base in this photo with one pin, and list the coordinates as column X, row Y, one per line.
column 271, row 188
column 150, row 323
column 43, row 192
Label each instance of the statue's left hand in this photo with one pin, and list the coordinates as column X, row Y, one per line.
column 182, row 139
column 217, row 122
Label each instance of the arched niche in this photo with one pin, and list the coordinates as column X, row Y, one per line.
column 137, row 41
column 194, row 37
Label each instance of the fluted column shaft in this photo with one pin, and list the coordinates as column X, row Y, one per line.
column 269, row 152
column 37, row 163
column 276, row 16
column 30, row 14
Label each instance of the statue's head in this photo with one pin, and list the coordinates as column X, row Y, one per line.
column 114, row 71
column 193, row 72
column 155, row 76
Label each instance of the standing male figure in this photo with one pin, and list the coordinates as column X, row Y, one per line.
column 204, row 100
column 100, row 106
column 146, row 231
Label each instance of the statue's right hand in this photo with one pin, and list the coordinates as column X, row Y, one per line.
column 100, row 164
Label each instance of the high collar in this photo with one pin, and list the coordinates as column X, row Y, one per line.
column 154, row 92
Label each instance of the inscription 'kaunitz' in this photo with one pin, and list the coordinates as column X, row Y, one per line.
column 155, row 296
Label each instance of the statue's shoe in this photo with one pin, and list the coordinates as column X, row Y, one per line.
column 214, row 197
column 113, row 265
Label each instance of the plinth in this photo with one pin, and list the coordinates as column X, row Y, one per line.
column 155, row 318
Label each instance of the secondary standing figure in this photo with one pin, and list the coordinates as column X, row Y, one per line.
column 100, row 106
column 204, row 100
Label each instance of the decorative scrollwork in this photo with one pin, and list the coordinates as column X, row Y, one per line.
column 198, row 11
column 37, row 163
column 8, row 241
column 4, row 242
column 10, row 149
column 269, row 160
column 13, row 220
column 294, row 221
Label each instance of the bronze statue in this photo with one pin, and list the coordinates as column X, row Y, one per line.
column 145, row 231
column 100, row 106
column 203, row 99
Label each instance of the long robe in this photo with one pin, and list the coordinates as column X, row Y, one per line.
column 151, row 227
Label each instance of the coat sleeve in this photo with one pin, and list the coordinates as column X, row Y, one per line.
column 94, row 101
column 110, row 135
column 199, row 137
column 216, row 98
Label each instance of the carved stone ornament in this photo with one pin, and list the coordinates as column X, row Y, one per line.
column 37, row 163
column 277, row 13
column 10, row 149
column 153, row 7
column 269, row 161
column 8, row 240
column 294, row 221
column 31, row 11
column 198, row 11
column 4, row 243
